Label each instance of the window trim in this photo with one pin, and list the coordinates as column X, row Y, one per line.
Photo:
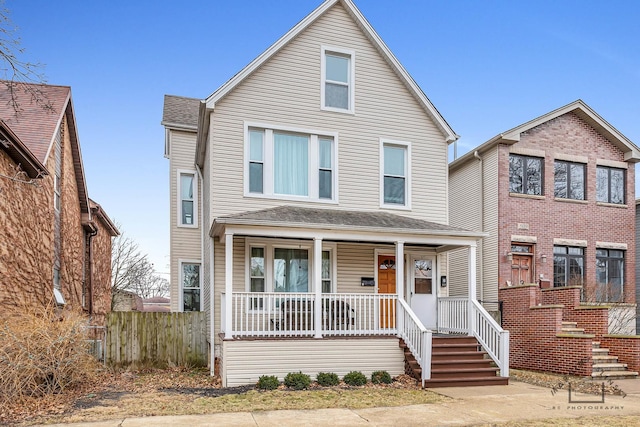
column 324, row 49
column 624, row 185
column 182, row 261
column 314, row 162
column 407, row 186
column 270, row 245
column 179, row 173
column 584, row 179
column 542, row 171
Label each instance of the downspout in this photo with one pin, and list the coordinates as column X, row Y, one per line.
column 477, row 155
column 200, row 190
column 90, row 237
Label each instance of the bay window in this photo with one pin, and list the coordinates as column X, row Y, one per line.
column 291, row 164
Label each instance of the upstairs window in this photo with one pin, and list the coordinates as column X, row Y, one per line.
column 290, row 164
column 395, row 174
column 610, row 185
column 337, row 79
column 187, row 206
column 569, row 180
column 525, row 175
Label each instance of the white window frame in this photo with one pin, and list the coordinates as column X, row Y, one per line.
column 352, row 77
column 268, row 162
column 270, row 245
column 179, row 174
column 181, row 282
column 407, row 163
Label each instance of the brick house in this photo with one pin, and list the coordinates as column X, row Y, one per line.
column 556, row 195
column 55, row 242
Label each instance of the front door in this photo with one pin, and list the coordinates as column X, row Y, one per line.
column 521, row 269
column 387, row 285
column 423, row 292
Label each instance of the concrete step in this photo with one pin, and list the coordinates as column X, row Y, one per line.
column 605, row 359
column 569, row 324
column 615, row 374
column 596, row 344
column 572, row 330
column 601, row 367
column 600, row 351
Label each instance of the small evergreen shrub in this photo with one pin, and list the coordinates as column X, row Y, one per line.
column 297, row 381
column 381, row 377
column 355, row 378
column 268, row 382
column 327, row 379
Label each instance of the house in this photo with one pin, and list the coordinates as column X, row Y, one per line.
column 309, row 215
column 55, row 242
column 556, row 196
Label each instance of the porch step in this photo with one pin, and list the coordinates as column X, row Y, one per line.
column 601, row 367
column 456, row 361
column 577, row 331
column 615, row 374
column 607, row 366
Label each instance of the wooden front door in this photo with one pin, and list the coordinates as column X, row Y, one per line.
column 521, row 271
column 387, row 285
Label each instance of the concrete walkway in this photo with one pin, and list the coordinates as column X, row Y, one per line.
column 469, row 405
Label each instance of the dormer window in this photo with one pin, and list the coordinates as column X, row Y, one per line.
column 337, row 80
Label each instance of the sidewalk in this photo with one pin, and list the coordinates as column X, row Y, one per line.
column 469, row 405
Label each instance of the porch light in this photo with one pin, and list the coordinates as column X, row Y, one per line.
column 509, row 256
column 543, row 258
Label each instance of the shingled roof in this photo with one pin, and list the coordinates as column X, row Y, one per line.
column 34, row 121
column 180, row 112
column 294, row 216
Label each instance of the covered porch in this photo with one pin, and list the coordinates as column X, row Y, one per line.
column 365, row 275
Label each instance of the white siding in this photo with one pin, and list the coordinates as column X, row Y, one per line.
column 245, row 361
column 490, row 243
column 286, row 91
column 185, row 242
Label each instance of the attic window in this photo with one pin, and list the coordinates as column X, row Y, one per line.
column 338, row 77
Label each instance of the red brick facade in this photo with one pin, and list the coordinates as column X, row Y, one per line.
column 546, row 218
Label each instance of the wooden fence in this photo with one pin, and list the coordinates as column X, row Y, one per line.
column 156, row 339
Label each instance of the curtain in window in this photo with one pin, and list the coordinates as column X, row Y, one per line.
column 291, row 164
column 291, row 270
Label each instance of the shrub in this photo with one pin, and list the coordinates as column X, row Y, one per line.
column 355, row 378
column 327, row 379
column 297, row 381
column 381, row 377
column 268, row 382
column 42, row 352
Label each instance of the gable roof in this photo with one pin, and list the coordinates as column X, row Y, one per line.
column 19, row 152
column 369, row 32
column 580, row 109
column 180, row 112
column 36, row 123
column 99, row 213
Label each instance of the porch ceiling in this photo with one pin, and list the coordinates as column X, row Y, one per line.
column 335, row 224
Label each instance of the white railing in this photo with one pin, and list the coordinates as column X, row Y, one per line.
column 417, row 338
column 286, row 314
column 453, row 316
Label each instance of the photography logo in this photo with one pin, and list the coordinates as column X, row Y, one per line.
column 576, row 397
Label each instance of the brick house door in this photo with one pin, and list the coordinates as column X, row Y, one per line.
column 521, row 271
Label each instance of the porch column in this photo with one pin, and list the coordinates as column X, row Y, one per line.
column 317, row 285
column 228, row 285
column 399, row 282
column 472, row 288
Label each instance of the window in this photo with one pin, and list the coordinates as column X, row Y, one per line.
column 525, row 175
column 56, row 191
column 337, row 80
column 191, row 286
column 395, row 175
column 568, row 180
column 290, row 164
column 610, row 185
column 568, row 266
column 285, row 267
column 56, row 278
column 187, row 205
column 609, row 275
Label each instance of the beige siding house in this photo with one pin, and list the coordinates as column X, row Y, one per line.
column 317, row 181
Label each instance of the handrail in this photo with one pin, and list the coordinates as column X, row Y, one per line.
column 417, row 338
column 494, row 339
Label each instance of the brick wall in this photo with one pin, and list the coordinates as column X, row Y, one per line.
column 101, row 273
column 547, row 218
column 626, row 348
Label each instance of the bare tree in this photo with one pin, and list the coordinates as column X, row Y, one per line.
column 132, row 271
column 15, row 71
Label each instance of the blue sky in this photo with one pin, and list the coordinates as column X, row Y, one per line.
column 486, row 65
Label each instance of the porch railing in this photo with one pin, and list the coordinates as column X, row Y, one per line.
column 287, row 314
column 417, row 338
column 464, row 315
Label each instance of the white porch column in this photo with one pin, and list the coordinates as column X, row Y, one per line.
column 472, row 288
column 228, row 284
column 399, row 282
column 317, row 284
